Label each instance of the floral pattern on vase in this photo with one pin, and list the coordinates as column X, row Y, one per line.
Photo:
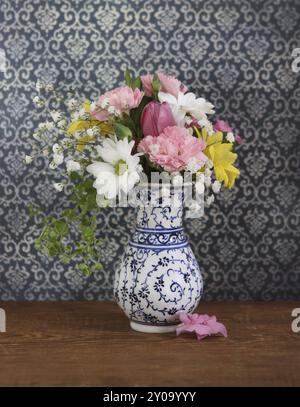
column 159, row 274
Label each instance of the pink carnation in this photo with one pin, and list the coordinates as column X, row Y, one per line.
column 169, row 84
column 122, row 99
column 174, row 149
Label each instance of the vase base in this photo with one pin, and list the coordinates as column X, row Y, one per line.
column 152, row 329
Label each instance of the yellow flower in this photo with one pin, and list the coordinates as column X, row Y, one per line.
column 87, row 106
column 213, row 138
column 222, row 157
column 83, row 141
column 105, row 128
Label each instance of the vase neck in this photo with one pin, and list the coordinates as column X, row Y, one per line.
column 160, row 217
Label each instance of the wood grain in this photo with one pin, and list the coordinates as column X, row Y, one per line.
column 90, row 344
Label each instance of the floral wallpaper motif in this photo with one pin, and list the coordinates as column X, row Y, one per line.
column 237, row 53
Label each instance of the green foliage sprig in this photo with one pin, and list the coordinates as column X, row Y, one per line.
column 72, row 235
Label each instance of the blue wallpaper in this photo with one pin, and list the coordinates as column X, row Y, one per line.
column 238, row 54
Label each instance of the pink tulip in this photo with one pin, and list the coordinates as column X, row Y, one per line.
column 155, row 118
column 169, row 84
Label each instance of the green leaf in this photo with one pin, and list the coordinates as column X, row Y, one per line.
column 155, row 84
column 61, row 227
column 136, row 113
column 128, row 77
column 122, row 131
column 137, row 83
column 84, row 268
column 74, row 176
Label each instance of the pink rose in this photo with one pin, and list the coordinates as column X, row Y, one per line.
column 122, row 99
column 174, row 149
column 169, row 84
column 221, row 125
column 155, row 118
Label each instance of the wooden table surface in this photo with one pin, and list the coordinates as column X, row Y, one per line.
column 90, row 344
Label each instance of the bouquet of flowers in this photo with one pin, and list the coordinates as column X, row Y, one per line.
column 151, row 124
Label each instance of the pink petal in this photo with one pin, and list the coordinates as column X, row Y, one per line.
column 200, row 337
column 183, row 317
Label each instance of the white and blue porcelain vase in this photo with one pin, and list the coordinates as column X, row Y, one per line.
column 159, row 274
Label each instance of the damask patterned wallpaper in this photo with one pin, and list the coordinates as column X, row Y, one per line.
column 238, row 54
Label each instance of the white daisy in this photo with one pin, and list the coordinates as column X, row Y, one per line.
column 119, row 170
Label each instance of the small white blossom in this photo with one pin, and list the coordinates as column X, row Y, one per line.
column 59, row 186
column 36, row 136
column 72, row 166
column 49, row 87
column 72, row 103
column 28, row 159
column 210, row 199
column 52, row 165
column 42, row 126
column 93, row 106
column 193, row 165
column 46, row 126
column 49, row 125
column 45, row 152
column 104, row 104
column 102, row 202
column 62, row 124
column 39, row 102
column 207, row 125
column 39, row 86
column 56, row 115
column 57, row 149
column 58, row 159
column 94, row 131
column 207, row 177
column 216, row 187
column 230, row 137
column 66, row 143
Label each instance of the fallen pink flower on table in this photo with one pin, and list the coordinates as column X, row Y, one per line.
column 203, row 325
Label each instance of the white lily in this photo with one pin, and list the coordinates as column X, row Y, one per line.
column 186, row 103
column 119, row 170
